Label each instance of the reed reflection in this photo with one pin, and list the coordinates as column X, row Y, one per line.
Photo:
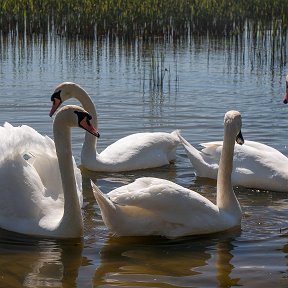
column 32, row 262
column 155, row 63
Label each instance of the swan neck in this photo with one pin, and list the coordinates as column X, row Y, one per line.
column 226, row 198
column 72, row 217
column 90, row 141
column 83, row 97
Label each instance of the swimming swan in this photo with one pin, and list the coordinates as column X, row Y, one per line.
column 32, row 200
column 133, row 152
column 256, row 165
column 152, row 206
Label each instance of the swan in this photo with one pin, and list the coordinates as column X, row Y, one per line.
column 33, row 200
column 133, row 152
column 255, row 165
column 285, row 100
column 152, row 206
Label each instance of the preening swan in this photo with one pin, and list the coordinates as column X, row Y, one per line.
column 34, row 199
column 152, row 206
column 136, row 151
column 255, row 165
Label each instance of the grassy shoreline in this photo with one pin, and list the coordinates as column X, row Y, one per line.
column 141, row 18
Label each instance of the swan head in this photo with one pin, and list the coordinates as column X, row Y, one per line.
column 75, row 116
column 63, row 92
column 233, row 123
column 285, row 100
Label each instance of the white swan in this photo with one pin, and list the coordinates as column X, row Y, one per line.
column 33, row 199
column 133, row 152
column 255, row 165
column 152, row 206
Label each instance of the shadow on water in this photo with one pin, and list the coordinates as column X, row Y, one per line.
column 131, row 261
column 34, row 262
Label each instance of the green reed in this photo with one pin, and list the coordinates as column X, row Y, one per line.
column 140, row 18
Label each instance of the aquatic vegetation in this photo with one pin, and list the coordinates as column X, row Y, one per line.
column 141, row 18
column 261, row 23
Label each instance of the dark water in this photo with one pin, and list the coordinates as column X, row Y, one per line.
column 203, row 79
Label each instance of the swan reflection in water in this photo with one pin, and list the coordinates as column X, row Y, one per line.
column 34, row 262
column 150, row 260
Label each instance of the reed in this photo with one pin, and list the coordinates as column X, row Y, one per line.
column 157, row 70
column 140, row 18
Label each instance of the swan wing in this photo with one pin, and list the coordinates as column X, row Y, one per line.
column 30, row 181
column 215, row 147
column 152, row 206
column 139, row 151
column 255, row 165
column 20, row 190
column 40, row 152
column 251, row 155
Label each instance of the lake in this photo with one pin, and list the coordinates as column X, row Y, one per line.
column 161, row 85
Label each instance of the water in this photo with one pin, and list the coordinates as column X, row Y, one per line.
column 204, row 78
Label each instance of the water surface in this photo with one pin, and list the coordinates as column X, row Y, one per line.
column 203, row 79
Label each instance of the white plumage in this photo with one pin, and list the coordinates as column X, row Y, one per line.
column 255, row 165
column 133, row 152
column 152, row 206
column 32, row 198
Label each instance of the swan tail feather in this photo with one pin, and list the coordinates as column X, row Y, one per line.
column 100, row 197
column 109, row 210
column 191, row 150
column 193, row 154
